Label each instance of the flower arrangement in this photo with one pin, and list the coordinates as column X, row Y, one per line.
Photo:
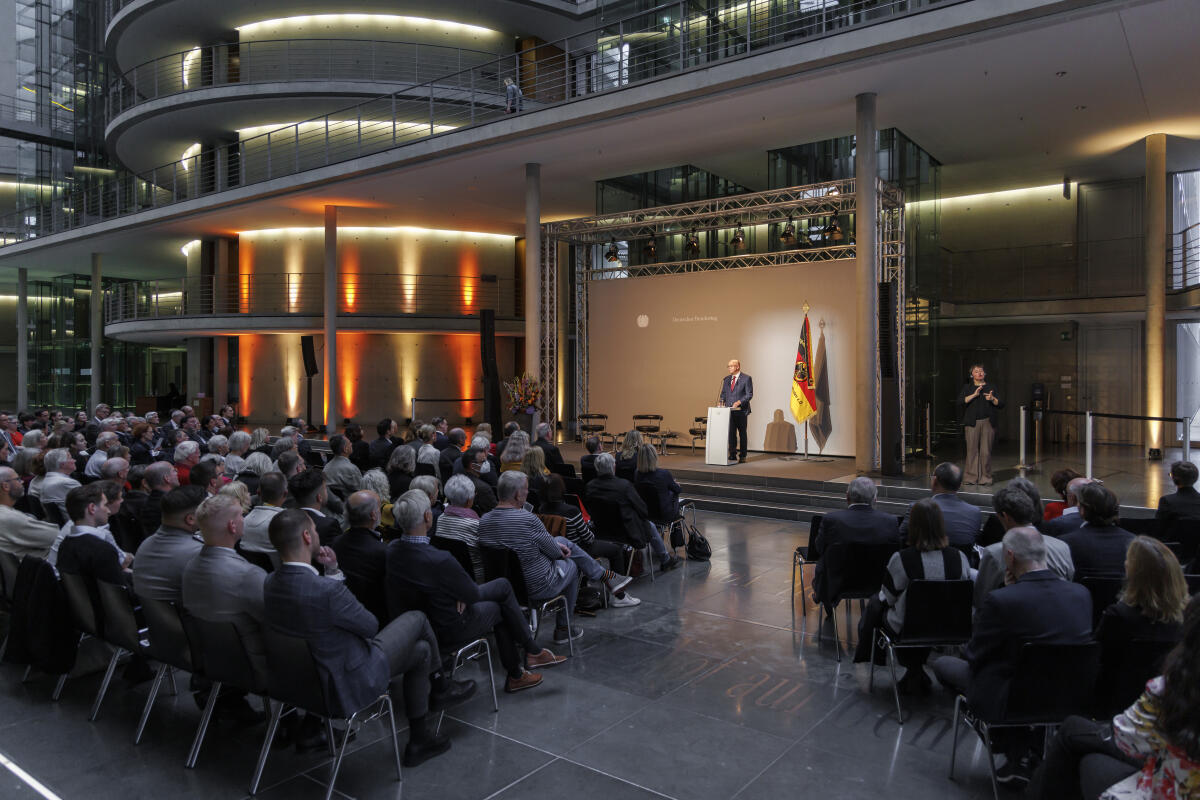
column 524, row 394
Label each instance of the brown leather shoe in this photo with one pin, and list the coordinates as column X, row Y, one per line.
column 546, row 658
column 526, row 681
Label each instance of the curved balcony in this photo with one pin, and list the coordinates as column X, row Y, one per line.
column 170, row 310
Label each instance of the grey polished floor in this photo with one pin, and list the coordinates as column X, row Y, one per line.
column 705, row 690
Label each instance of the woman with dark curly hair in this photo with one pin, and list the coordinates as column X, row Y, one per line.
column 1151, row 750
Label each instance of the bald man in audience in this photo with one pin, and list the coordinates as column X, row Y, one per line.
column 21, row 534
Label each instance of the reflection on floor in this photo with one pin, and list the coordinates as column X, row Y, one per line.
column 705, row 690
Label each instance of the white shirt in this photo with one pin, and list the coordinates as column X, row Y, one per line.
column 1070, row 510
column 71, row 529
column 333, row 575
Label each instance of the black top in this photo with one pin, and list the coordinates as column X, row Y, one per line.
column 979, row 408
column 667, row 490
column 1098, row 550
column 149, row 513
column 398, row 483
column 553, row 455
column 1183, row 504
column 327, row 527
column 423, row 576
column 91, row 557
column 362, row 557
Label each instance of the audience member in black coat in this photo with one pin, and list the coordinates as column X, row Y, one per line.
column 663, row 482
column 451, row 453
column 401, row 469
column 85, row 551
column 381, row 449
column 360, row 451
column 620, row 495
column 470, row 465
column 1098, row 548
column 1185, row 502
column 554, row 457
column 860, row 522
column 160, row 478
column 309, row 491
column 587, row 464
column 361, row 554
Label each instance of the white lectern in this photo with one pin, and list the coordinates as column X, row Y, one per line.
column 716, row 437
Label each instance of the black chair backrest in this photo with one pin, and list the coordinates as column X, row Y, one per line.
column 224, row 654
column 1193, row 583
column 814, row 528
column 565, row 470
column 607, row 521
column 1104, row 593
column 1122, row 683
column 120, row 624
column 424, row 469
column 126, row 530
column 576, row 486
column 593, row 423
column 854, row 570
column 292, row 675
column 459, row 549
column 168, row 642
column 54, row 514
column 647, row 423
column 1187, row 533
column 500, row 562
column 649, row 494
column 79, row 601
column 261, row 560
column 9, row 564
column 1146, row 526
column 938, row 611
column 1052, row 681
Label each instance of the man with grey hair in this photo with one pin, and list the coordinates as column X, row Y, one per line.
column 1015, row 509
column 100, row 455
column 21, row 534
column 340, row 473
column 860, row 523
column 1070, row 519
column 1034, row 605
column 115, row 469
column 961, row 520
column 361, row 553
column 186, row 456
column 553, row 454
column 623, row 498
column 59, row 465
column 235, row 461
column 550, row 565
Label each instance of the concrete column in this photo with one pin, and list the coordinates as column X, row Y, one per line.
column 866, row 224
column 96, row 333
column 199, row 361
column 533, row 269
column 221, row 305
column 1155, row 219
column 331, row 309
column 22, row 339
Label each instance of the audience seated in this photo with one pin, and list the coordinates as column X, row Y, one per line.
column 357, row 660
column 85, row 549
column 432, row 488
column 627, row 456
column 587, row 463
column 1035, row 605
column 272, row 490
column 1015, row 509
column 963, row 521
column 21, row 534
column 420, row 576
column 161, row 559
column 553, row 456
column 238, row 491
column 928, row 557
column 620, row 494
column 361, row 554
column 341, row 475
column 1059, row 481
column 860, row 522
column 1149, row 751
column 401, row 469
column 460, row 521
column 161, row 478
column 187, row 455
column 58, row 481
column 534, row 467
column 450, row 455
column 648, row 472
column 1184, row 502
column 1070, row 519
column 309, row 491
column 472, row 465
column 579, row 531
column 513, row 454
column 360, row 449
column 1098, row 547
column 550, row 566
column 206, row 475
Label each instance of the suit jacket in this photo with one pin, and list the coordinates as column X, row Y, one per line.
column 1099, row 550
column 962, row 520
column 380, row 451
column 620, row 493
column 1039, row 607
column 553, row 454
column 1183, row 504
column 1062, row 525
column 221, row 586
column 362, row 555
column 743, row 391
column 448, row 461
column 328, row 528
column 338, row 629
column 423, row 577
column 160, row 561
column 860, row 523
column 587, row 467
column 340, row 473
column 991, row 566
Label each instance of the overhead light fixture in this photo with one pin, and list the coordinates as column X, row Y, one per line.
column 738, row 240
column 834, row 230
column 788, row 235
column 691, row 245
column 833, row 192
column 649, row 251
column 612, row 254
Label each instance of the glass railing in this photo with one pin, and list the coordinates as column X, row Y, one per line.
column 669, row 39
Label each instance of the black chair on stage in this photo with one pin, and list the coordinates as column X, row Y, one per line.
column 500, row 562
column 852, row 571
column 698, row 431
column 592, row 424
column 294, row 683
column 1104, row 593
column 1050, row 683
column 936, row 614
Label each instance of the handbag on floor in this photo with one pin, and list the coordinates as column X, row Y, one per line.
column 698, row 548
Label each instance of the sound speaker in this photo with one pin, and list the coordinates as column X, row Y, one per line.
column 891, row 445
column 310, row 356
column 491, row 371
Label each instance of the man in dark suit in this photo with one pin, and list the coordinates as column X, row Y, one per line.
column 553, row 455
column 1185, row 502
column 308, row 489
column 1035, row 605
column 471, row 465
column 357, row 661
column 441, row 433
column 381, row 449
column 452, row 452
column 860, row 522
column 736, row 392
column 1098, row 546
column 621, row 495
column 361, row 553
column 961, row 519
column 587, row 464
column 1070, row 519
column 420, row 576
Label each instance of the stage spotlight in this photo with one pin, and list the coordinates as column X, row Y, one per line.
column 788, row 235
column 834, row 230
column 691, row 246
column 833, row 192
column 649, row 251
column 738, row 240
column 612, row 254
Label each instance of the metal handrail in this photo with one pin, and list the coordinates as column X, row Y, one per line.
column 371, row 294
column 25, row 109
column 1183, row 258
column 669, row 39
column 286, row 61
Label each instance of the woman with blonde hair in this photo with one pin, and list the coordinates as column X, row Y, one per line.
column 513, row 455
column 260, row 441
column 628, row 455
column 534, row 467
column 662, row 480
column 239, row 491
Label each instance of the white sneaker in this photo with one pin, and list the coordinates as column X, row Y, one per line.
column 624, row 602
column 618, row 582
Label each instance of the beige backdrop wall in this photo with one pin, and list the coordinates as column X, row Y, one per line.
column 660, row 345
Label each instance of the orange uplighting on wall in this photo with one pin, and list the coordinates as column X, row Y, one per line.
column 468, row 267
column 349, row 259
column 350, row 351
column 248, row 346
column 464, row 353
column 245, row 270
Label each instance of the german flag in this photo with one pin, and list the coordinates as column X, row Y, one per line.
column 804, row 397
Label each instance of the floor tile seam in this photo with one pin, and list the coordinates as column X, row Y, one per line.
column 655, row 792
column 527, row 775
column 747, row 622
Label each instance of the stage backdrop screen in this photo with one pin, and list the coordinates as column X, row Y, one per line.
column 660, row 345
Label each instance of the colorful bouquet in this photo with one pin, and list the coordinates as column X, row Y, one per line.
column 524, row 394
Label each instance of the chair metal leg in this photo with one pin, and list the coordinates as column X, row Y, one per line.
column 174, row 687
column 391, row 715
column 954, row 746
column 837, row 639
column 62, row 681
column 205, row 718
column 871, row 670
column 891, row 651
column 329, row 737
column 803, row 602
column 28, row 670
column 570, row 636
column 4, row 647
column 158, row 677
column 487, row 649
column 648, row 562
column 272, row 727
column 340, row 753
column 112, row 667
column 987, row 743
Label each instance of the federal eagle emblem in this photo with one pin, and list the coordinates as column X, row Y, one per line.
column 801, row 373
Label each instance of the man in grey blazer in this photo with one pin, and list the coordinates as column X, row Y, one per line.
column 962, row 520
column 357, row 661
column 736, row 392
column 161, row 558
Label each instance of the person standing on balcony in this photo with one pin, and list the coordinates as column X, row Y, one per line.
column 978, row 403
column 512, row 96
